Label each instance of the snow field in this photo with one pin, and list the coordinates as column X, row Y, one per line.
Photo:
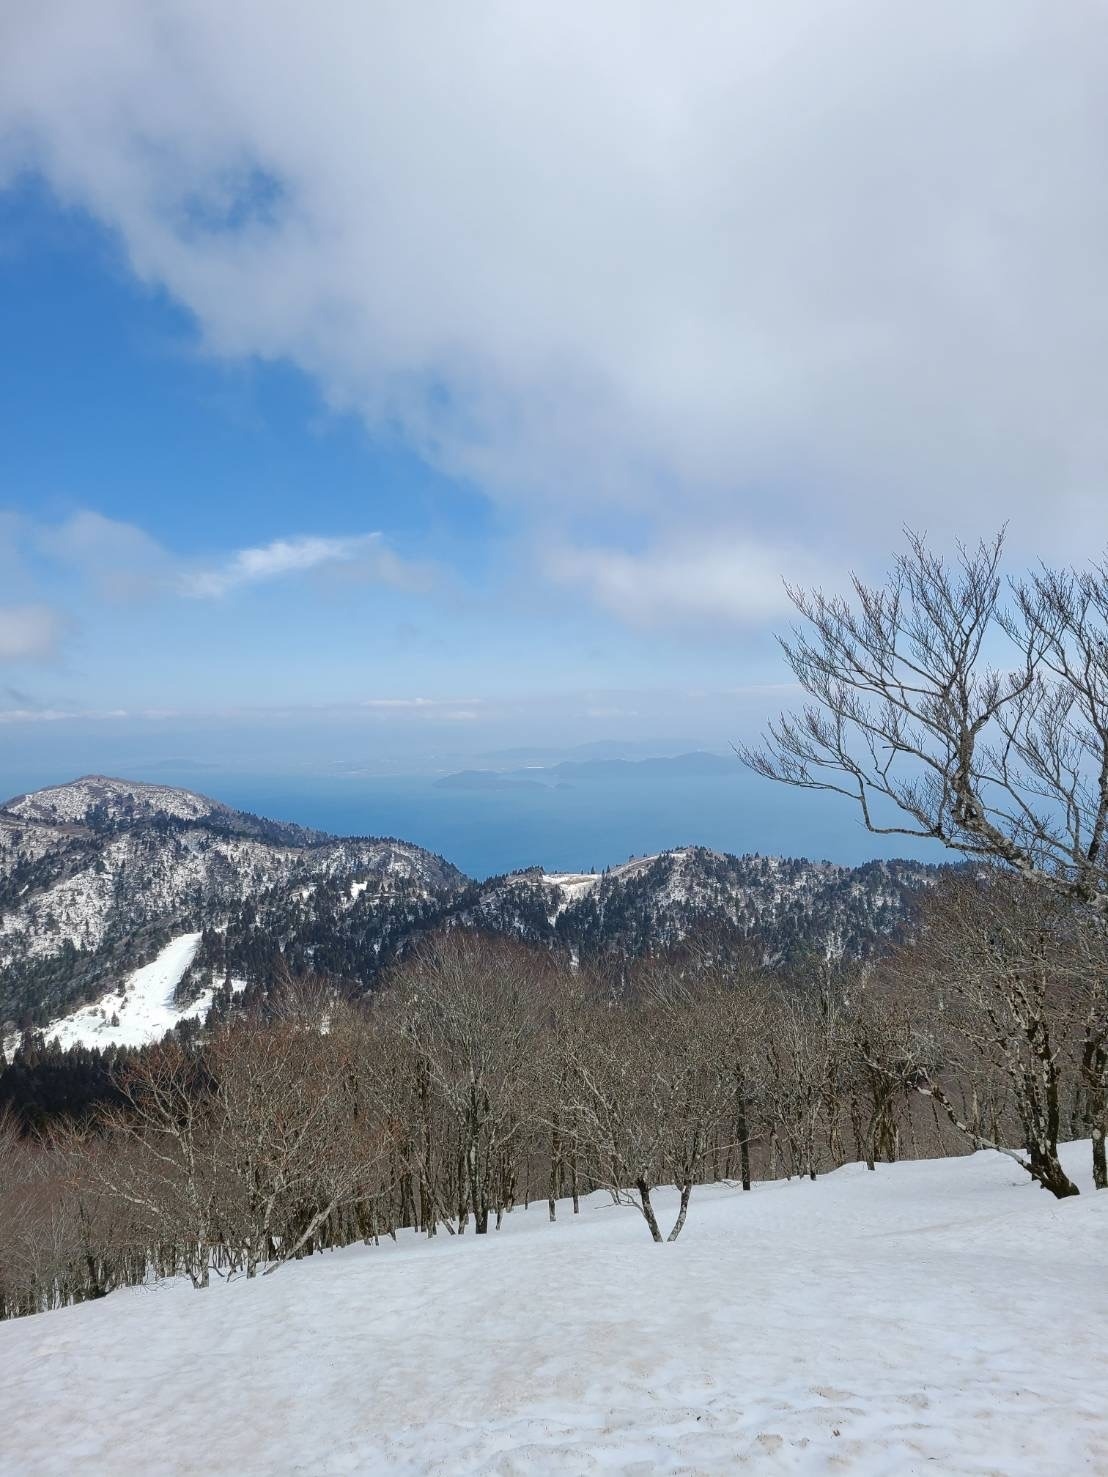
column 144, row 1005
column 934, row 1317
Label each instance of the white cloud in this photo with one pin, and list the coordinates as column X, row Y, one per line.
column 399, row 703
column 120, row 560
column 825, row 267
column 453, row 708
column 363, row 556
column 687, row 584
column 29, row 633
column 60, row 715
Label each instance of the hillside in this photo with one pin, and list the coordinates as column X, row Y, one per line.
column 941, row 1316
column 100, row 877
column 95, row 877
column 790, row 906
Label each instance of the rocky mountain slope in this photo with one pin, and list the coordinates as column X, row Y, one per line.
column 98, row 878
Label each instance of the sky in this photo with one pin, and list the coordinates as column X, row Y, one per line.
column 390, row 385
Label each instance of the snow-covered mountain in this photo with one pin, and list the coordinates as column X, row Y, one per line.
column 97, row 800
column 791, row 906
column 95, row 877
column 102, row 879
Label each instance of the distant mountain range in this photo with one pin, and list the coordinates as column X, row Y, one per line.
column 103, row 878
column 554, row 776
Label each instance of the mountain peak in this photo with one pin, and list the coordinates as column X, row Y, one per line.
column 99, row 796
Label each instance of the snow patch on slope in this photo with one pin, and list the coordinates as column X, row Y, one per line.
column 144, row 1006
column 570, row 887
column 574, row 885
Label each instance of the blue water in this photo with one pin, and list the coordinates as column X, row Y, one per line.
column 595, row 823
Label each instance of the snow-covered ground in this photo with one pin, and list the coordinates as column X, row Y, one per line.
column 144, row 1006
column 572, row 886
column 71, row 803
column 936, row 1317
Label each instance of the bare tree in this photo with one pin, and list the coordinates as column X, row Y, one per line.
column 727, row 975
column 296, row 1144
column 166, row 1140
column 471, row 1012
column 567, row 1020
column 1089, row 977
column 880, row 1056
column 946, row 716
column 648, row 1094
column 994, row 963
column 801, row 1043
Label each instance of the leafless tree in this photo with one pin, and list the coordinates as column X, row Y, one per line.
column 649, row 1094
column 469, row 1008
column 880, row 1053
column 1088, row 975
column 296, row 1145
column 946, row 715
column 166, row 1160
column 995, row 965
column 802, row 1041
column 727, row 979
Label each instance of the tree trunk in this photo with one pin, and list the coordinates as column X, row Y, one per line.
column 744, row 1139
column 1100, row 1164
column 555, row 1162
column 648, row 1209
column 1042, row 1163
column 1094, row 1062
column 686, row 1191
column 1046, row 1168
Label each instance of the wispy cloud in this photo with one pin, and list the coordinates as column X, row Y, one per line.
column 60, row 715
column 418, row 704
column 121, row 561
column 361, row 555
column 448, row 710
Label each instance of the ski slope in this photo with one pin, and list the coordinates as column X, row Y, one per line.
column 144, row 1007
column 942, row 1317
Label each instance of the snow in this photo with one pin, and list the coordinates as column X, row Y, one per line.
column 84, row 900
column 572, row 886
column 940, row 1317
column 144, row 1005
column 71, row 803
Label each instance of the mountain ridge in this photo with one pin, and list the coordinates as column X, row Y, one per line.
column 99, row 874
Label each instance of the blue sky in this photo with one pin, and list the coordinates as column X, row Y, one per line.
column 449, row 380
column 138, row 468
